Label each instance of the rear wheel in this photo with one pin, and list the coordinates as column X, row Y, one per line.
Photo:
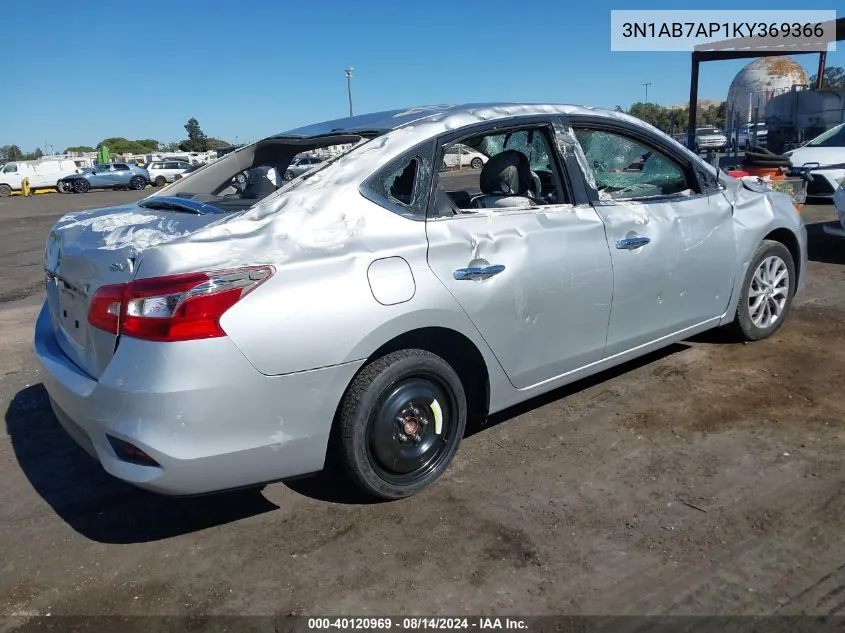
column 137, row 183
column 81, row 186
column 5, row 191
column 401, row 422
column 767, row 292
column 160, row 181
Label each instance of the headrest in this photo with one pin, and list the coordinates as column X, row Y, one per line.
column 508, row 173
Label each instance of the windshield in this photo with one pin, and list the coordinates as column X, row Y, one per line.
column 245, row 177
column 834, row 137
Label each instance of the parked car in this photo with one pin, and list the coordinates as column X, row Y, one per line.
column 839, row 201
column 461, row 156
column 300, row 165
column 105, row 176
column 187, row 170
column 752, row 135
column 825, row 157
column 710, row 138
column 162, row 172
column 42, row 173
column 209, row 337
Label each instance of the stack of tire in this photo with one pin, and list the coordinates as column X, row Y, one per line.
column 763, row 158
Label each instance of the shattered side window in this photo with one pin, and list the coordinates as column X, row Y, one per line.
column 624, row 168
column 402, row 185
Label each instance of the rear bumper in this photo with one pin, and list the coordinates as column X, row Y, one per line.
column 207, row 416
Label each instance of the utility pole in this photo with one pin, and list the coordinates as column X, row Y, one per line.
column 348, row 72
column 646, row 84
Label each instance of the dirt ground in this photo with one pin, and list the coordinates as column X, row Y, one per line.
column 704, row 479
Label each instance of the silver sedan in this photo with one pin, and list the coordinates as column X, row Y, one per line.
column 221, row 334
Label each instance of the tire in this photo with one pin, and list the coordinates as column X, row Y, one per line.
column 769, row 261
column 81, row 186
column 60, row 187
column 137, row 183
column 5, row 191
column 390, row 401
column 477, row 163
column 160, row 181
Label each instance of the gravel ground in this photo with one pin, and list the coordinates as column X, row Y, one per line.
column 703, row 479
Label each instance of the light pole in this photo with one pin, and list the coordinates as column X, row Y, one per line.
column 646, row 84
column 348, row 72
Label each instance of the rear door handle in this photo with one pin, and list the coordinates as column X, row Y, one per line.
column 480, row 272
column 630, row 243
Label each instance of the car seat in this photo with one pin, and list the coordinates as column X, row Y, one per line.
column 506, row 181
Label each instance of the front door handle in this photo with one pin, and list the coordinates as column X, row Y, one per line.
column 630, row 243
column 479, row 272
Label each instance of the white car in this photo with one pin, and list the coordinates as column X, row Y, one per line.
column 825, row 156
column 164, row 171
column 462, row 156
column 839, row 201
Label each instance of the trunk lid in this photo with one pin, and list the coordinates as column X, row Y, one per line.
column 88, row 250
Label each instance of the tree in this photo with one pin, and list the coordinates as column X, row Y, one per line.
column 77, row 149
column 197, row 140
column 217, row 143
column 834, row 78
column 120, row 145
column 619, row 109
column 13, row 152
column 38, row 153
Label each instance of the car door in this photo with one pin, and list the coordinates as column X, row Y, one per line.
column 669, row 230
column 12, row 176
column 535, row 280
column 120, row 174
column 101, row 176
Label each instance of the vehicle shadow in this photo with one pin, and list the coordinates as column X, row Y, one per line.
column 824, row 248
column 330, row 485
column 97, row 505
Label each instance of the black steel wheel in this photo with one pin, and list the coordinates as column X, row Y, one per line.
column 401, row 422
column 81, row 185
column 137, row 183
column 160, row 181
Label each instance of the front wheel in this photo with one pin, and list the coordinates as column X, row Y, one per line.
column 81, row 186
column 767, row 292
column 160, row 181
column 137, row 183
column 5, row 191
column 477, row 163
column 401, row 422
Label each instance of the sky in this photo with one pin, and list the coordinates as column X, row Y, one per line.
column 104, row 69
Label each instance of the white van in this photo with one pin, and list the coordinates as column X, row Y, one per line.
column 41, row 174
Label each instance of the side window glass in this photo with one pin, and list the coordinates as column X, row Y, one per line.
column 624, row 168
column 402, row 185
column 504, row 170
column 11, row 169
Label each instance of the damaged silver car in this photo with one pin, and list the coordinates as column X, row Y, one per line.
column 228, row 331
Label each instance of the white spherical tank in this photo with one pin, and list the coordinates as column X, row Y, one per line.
column 758, row 82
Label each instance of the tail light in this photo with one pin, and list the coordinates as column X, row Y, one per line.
column 175, row 308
